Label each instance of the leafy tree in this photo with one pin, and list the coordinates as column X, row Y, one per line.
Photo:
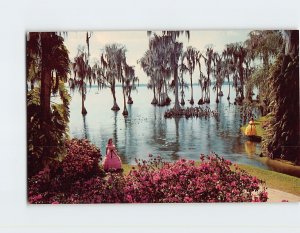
column 176, row 51
column 160, row 47
column 82, row 73
column 228, row 69
column 111, row 65
column 238, row 54
column 191, row 55
column 282, row 137
column 182, row 70
column 208, row 61
column 115, row 68
column 147, row 63
column 156, row 64
column 218, row 73
column 264, row 46
column 47, row 67
column 120, row 64
column 130, row 82
column 172, row 49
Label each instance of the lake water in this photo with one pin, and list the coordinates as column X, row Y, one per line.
column 146, row 131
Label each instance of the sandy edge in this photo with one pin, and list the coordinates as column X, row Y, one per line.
column 276, row 195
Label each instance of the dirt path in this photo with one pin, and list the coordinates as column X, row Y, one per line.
column 276, row 195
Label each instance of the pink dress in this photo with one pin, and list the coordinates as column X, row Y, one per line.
column 111, row 161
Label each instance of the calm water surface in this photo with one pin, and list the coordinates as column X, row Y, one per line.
column 146, row 131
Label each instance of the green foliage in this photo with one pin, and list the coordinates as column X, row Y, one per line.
column 115, row 68
column 282, row 135
column 130, row 80
column 47, row 67
column 160, row 61
column 40, row 134
column 264, row 44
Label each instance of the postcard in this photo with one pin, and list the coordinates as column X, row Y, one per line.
column 191, row 116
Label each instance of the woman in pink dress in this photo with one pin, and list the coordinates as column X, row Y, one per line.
column 111, row 161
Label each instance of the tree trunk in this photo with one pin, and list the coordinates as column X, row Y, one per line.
column 159, row 96
column 125, row 112
column 166, row 88
column 208, row 89
column 228, row 97
column 113, row 91
column 217, row 99
column 154, row 101
column 45, row 94
column 177, row 106
column 83, row 110
column 182, row 92
column 129, row 101
column 242, row 82
column 192, row 96
column 85, row 128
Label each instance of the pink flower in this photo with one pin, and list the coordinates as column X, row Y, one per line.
column 233, row 184
column 38, row 197
column 187, row 199
column 129, row 198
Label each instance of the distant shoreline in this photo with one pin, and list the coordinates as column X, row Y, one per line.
column 145, row 85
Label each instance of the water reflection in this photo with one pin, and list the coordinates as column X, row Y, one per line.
column 175, row 144
column 85, row 127
column 250, row 148
column 146, row 131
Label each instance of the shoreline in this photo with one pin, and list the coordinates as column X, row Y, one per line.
column 282, row 166
column 278, row 165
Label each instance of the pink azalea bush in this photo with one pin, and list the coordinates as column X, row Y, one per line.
column 53, row 183
column 212, row 180
column 78, row 178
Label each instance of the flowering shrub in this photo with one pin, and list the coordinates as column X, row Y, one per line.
column 212, row 180
column 82, row 161
column 78, row 178
column 58, row 177
column 99, row 190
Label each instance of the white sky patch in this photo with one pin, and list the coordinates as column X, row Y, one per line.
column 136, row 43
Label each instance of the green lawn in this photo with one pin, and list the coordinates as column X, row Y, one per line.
column 273, row 179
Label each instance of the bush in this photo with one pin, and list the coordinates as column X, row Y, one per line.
column 79, row 165
column 213, row 180
column 78, row 178
column 99, row 190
